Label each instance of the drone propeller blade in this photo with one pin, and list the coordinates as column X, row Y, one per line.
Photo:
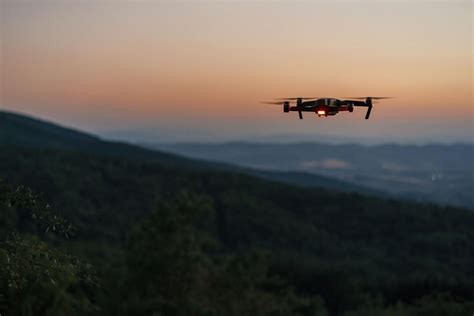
column 271, row 102
column 360, row 103
column 373, row 98
column 296, row 98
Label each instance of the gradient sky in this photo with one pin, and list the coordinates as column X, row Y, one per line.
column 197, row 70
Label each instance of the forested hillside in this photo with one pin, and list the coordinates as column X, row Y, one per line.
column 433, row 172
column 24, row 131
column 130, row 236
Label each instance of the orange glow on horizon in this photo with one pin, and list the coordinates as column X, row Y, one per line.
column 218, row 60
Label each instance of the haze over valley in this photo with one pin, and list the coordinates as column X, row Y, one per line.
column 431, row 173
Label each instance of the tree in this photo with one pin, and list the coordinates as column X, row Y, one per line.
column 35, row 278
column 174, row 268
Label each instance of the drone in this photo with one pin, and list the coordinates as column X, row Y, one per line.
column 325, row 106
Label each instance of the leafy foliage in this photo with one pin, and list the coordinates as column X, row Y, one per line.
column 30, row 211
column 173, row 268
column 37, row 279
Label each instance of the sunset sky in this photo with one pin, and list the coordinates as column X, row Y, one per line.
column 197, row 70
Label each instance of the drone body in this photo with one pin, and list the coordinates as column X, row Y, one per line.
column 325, row 106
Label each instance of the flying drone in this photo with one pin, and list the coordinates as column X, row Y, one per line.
column 325, row 106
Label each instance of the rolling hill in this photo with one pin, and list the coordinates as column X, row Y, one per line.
column 24, row 131
column 334, row 252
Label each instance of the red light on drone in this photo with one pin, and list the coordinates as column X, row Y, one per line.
column 321, row 112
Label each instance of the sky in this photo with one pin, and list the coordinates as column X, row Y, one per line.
column 196, row 71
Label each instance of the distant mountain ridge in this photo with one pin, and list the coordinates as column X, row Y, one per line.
column 25, row 131
column 433, row 173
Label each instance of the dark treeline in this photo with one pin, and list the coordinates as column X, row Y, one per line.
column 133, row 237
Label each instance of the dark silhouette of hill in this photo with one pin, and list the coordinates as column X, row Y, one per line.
column 28, row 131
column 24, row 131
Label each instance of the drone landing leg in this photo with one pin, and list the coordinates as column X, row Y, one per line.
column 368, row 112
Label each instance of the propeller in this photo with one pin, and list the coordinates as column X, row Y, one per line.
column 272, row 102
column 296, row 98
column 363, row 103
column 373, row 98
column 286, row 104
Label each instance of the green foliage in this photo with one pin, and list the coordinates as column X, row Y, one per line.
column 173, row 268
column 30, row 211
column 242, row 285
column 38, row 280
column 165, row 262
column 438, row 305
column 35, row 278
